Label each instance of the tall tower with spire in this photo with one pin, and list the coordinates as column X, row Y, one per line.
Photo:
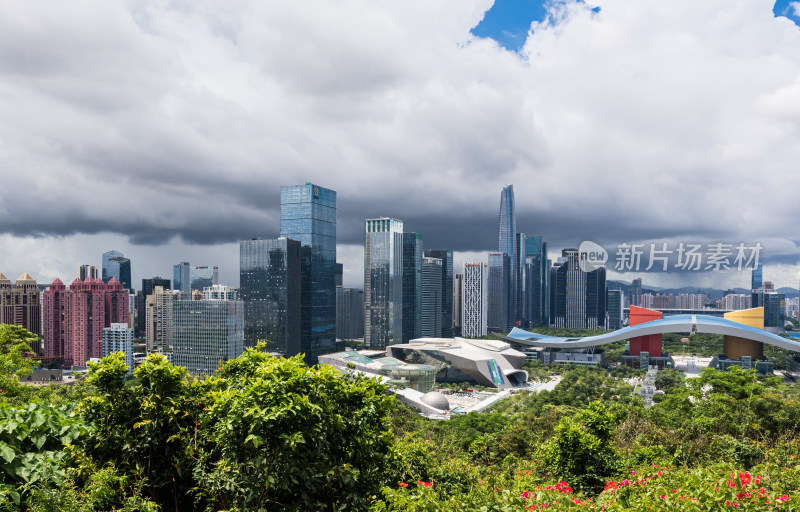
column 507, row 244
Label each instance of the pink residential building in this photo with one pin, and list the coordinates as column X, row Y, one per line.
column 74, row 318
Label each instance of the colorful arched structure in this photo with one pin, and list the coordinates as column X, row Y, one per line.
column 743, row 332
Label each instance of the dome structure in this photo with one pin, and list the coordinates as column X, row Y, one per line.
column 436, row 400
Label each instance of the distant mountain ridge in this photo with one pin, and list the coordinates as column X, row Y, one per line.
column 714, row 292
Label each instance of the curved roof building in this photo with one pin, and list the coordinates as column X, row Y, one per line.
column 743, row 332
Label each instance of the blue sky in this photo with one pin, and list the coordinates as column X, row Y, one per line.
column 508, row 21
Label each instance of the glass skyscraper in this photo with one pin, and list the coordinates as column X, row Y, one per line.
column 182, row 279
column 206, row 333
column 117, row 265
column 308, row 215
column 412, row 286
column 446, row 256
column 203, row 277
column 578, row 298
column 270, row 286
column 497, row 281
column 431, row 297
column 507, row 243
column 756, row 278
column 533, row 281
column 383, row 282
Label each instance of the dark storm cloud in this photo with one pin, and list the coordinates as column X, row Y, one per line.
column 180, row 121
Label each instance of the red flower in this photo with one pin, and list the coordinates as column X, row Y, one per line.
column 402, row 484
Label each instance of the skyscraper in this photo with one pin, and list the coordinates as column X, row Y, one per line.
column 115, row 264
column 270, row 286
column 349, row 313
column 507, row 243
column 446, row 256
column 497, row 314
column 756, row 277
column 21, row 305
column 308, row 215
column 88, row 271
column 182, row 279
column 412, row 287
column 458, row 286
column 159, row 327
column 533, row 277
column 201, row 277
column 383, row 282
column 475, row 300
column 614, row 304
column 207, row 333
column 578, row 298
column 636, row 292
column 74, row 318
column 148, row 285
column 431, row 297
column 118, row 337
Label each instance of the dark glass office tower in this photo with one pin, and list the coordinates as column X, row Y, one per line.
column 203, row 277
column 148, row 285
column 412, row 286
column 533, row 273
column 578, row 298
column 497, row 312
column 117, row 265
column 446, row 256
column 349, row 313
column 431, row 297
column 508, row 244
column 756, row 278
column 383, row 282
column 614, row 306
column 270, row 287
column 182, row 279
column 308, row 215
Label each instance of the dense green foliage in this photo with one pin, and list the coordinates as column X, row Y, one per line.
column 273, row 434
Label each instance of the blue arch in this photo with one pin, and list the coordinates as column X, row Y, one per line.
column 670, row 324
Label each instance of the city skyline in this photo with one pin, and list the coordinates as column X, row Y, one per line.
column 668, row 130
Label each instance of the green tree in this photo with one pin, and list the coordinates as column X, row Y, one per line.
column 280, row 435
column 15, row 345
column 580, row 451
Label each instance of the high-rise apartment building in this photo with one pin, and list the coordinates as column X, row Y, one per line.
column 270, row 285
column 412, row 287
column 308, row 215
column 21, row 305
column 431, row 297
column 383, row 282
column 148, row 285
column 202, row 277
column 508, row 244
column 446, row 256
column 159, row 327
column 458, row 285
column 475, row 310
column 88, row 272
column 74, row 318
column 115, row 264
column 182, row 279
column 577, row 298
column 119, row 338
column 207, row 333
column 349, row 313
column 497, row 314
